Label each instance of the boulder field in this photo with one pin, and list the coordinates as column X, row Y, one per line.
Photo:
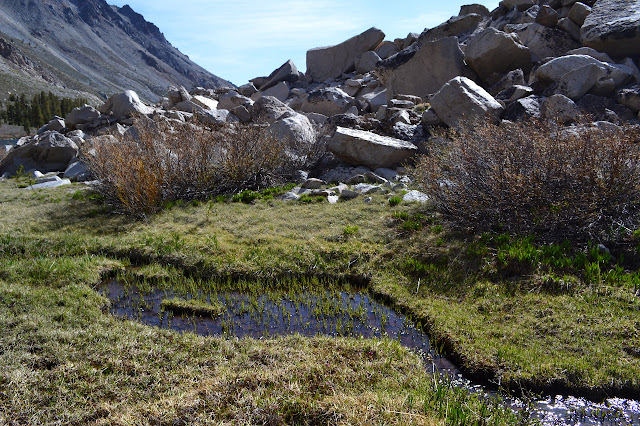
column 375, row 102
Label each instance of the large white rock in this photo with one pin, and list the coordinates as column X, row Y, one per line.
column 48, row 152
column 268, row 109
column 554, row 70
column 232, row 99
column 295, row 130
column 280, row 91
column 329, row 101
column 358, row 147
column 560, row 108
column 544, row 42
column 613, row 27
column 81, row 115
column 124, row 105
column 422, row 70
column 463, row 100
column 325, row 63
column 576, row 83
column 204, row 102
column 492, row 51
column 288, row 72
column 366, row 62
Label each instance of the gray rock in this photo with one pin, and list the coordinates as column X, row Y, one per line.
column 48, row 152
column 457, row 26
column 204, row 102
column 478, row 9
column 576, row 83
column 375, row 99
column 328, row 101
column 430, row 118
column 544, row 42
column 386, row 173
column 579, row 12
column 547, row 16
column 288, row 72
column 177, row 95
column 366, row 62
column 51, row 184
column 524, row 109
column 422, row 70
column 463, row 100
column 124, row 105
column 630, row 97
column 343, row 174
column 561, row 109
column 373, row 177
column 78, row 171
column 519, row 4
column 347, row 194
column 512, row 78
column 242, row 113
column 289, row 196
column 514, row 93
column 188, row 107
column 492, row 51
column 570, row 27
column 602, row 57
column 280, row 91
column 295, row 130
column 365, row 188
column 81, row 115
column 247, row 89
column 613, row 27
column 387, row 49
column 57, row 124
column 313, row 183
column 414, row 196
column 215, row 117
column 554, row 70
column 325, row 63
column 365, row 148
column 268, row 109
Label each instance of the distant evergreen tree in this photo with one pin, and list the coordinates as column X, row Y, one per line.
column 37, row 112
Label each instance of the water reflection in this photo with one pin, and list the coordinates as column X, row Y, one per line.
column 342, row 314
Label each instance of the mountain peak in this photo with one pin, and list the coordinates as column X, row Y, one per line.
column 92, row 46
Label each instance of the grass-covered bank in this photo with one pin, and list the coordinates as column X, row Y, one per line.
column 507, row 310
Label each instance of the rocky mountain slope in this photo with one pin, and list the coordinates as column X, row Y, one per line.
column 71, row 46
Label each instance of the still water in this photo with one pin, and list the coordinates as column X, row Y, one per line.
column 348, row 314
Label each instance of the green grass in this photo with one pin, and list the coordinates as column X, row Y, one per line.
column 192, row 307
column 508, row 310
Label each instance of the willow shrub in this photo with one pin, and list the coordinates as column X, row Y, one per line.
column 532, row 178
column 159, row 162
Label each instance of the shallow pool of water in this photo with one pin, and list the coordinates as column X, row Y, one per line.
column 345, row 314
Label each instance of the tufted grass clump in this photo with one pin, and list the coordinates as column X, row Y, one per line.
column 580, row 183
column 192, row 307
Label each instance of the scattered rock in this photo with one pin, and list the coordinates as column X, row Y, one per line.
column 613, row 27
column 547, row 16
column 48, row 152
column 81, row 115
column 492, row 52
column 422, row 70
column 288, row 72
column 561, row 109
column 124, row 105
column 365, row 148
column 329, row 101
column 462, row 99
column 415, row 197
column 325, row 63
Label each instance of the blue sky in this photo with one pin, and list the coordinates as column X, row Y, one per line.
column 242, row 39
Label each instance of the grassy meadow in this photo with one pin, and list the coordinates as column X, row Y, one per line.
column 510, row 311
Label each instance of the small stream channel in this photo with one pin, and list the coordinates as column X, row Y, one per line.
column 335, row 313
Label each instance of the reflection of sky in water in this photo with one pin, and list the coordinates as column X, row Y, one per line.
column 349, row 315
